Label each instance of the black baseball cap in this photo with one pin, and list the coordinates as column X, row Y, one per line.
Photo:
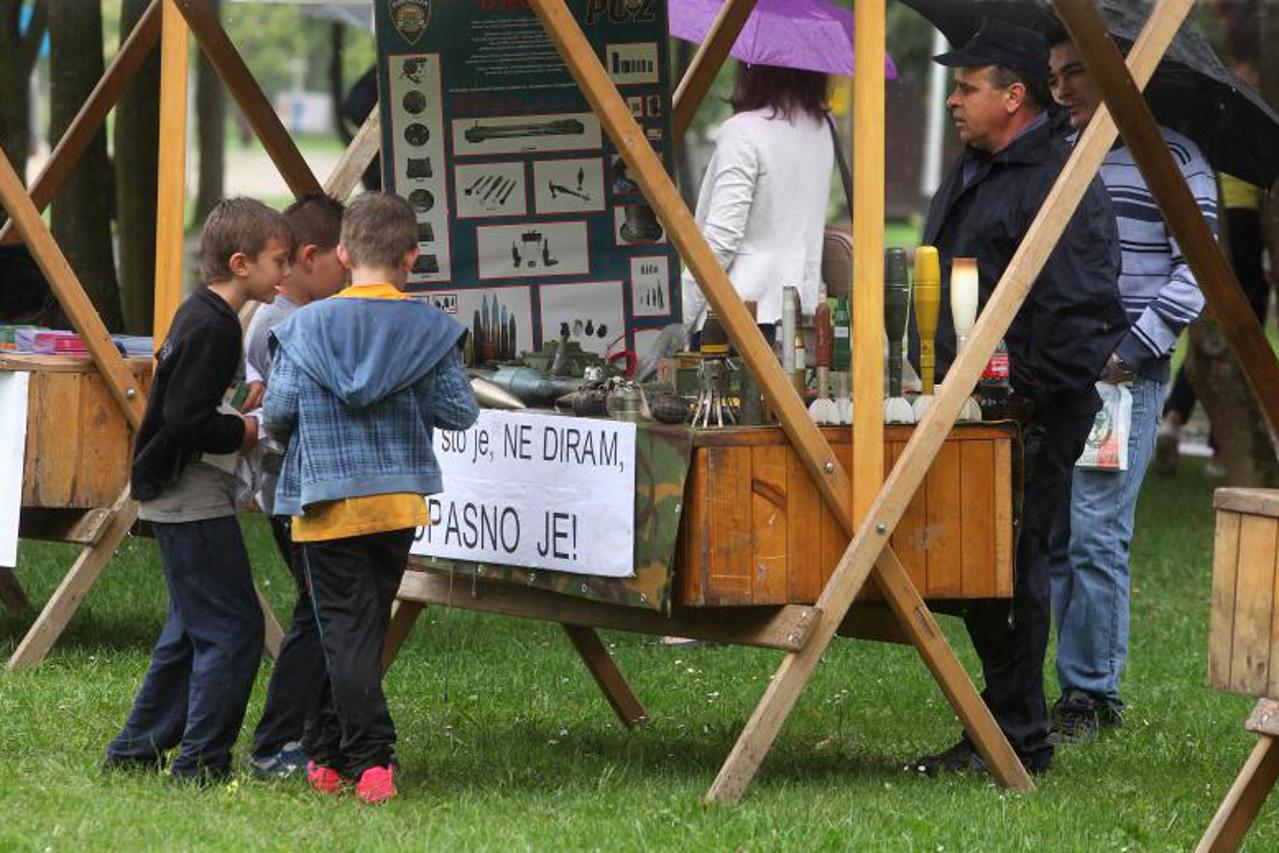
column 999, row 42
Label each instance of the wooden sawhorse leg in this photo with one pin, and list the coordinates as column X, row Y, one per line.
column 612, row 683
column 12, row 593
column 403, row 615
column 273, row 634
column 1244, row 799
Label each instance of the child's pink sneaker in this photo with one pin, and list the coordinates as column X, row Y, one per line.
column 376, row 785
column 323, row 779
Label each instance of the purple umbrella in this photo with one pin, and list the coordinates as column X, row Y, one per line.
column 811, row 34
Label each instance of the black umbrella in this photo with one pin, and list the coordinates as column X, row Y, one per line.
column 1192, row 92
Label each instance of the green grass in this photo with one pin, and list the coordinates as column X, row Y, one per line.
column 525, row 754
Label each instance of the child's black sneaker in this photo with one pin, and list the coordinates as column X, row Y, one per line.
column 1079, row 716
column 285, row 763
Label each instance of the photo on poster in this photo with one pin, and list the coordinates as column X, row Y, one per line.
column 500, row 319
column 629, row 64
column 620, row 178
column 593, row 312
column 637, row 225
column 476, row 137
column 568, row 186
column 490, row 189
column 650, row 286
column 418, row 158
column 533, row 250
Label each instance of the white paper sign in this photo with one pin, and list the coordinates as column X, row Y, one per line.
column 13, row 443
column 535, row 490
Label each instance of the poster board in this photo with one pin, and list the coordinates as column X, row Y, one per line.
column 13, row 442
column 527, row 220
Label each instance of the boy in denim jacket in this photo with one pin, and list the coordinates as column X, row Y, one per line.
column 358, row 384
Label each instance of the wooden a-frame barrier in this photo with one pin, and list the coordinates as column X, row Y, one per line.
column 869, row 507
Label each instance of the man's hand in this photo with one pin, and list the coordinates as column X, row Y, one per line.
column 1116, row 372
column 250, row 439
column 253, row 399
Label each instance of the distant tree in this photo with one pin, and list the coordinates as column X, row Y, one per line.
column 136, row 153
column 210, row 112
column 83, row 207
column 19, row 49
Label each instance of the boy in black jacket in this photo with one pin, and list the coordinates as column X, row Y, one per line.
column 203, row 665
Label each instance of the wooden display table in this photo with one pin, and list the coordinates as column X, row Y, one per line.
column 1243, row 646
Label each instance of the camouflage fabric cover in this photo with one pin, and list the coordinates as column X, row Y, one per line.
column 662, row 461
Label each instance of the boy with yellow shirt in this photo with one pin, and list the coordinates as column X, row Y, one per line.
column 358, row 384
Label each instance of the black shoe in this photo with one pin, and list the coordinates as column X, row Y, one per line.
column 1079, row 716
column 963, row 757
column 132, row 764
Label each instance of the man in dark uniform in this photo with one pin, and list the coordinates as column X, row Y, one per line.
column 1058, row 343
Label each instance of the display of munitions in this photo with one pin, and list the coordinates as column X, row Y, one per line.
column 578, row 328
column 515, row 255
column 654, row 297
column 590, row 328
column 714, row 407
column 475, row 184
column 602, row 330
column 626, row 402
column 426, row 265
column 492, row 396
column 422, row 200
column 823, row 409
column 425, row 232
column 419, row 168
column 622, row 182
column 414, row 102
column 668, row 408
column 531, row 386
column 506, row 194
column 897, row 408
column 641, row 225
column 493, row 330
column 417, row 134
column 963, row 312
column 560, row 127
column 581, row 177
column 927, row 308
column 493, row 187
column 560, row 364
column 547, row 260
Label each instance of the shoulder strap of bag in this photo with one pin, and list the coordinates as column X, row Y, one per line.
column 844, row 172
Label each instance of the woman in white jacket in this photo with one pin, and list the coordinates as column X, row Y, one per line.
column 762, row 205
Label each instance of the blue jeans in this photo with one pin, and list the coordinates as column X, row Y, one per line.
column 203, row 665
column 1089, row 551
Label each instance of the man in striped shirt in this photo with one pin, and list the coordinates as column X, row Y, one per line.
column 1090, row 575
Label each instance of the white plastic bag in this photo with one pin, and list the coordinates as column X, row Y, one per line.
column 1107, row 445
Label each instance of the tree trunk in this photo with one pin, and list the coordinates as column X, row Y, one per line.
column 136, row 143
column 18, row 54
column 82, row 209
column 337, row 83
column 210, row 110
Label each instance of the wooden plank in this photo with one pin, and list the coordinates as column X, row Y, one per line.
column 910, row 539
column 71, row 296
column 1264, row 719
column 1254, row 599
column 945, row 544
column 838, row 437
column 867, row 159
column 141, row 367
column 257, row 110
column 12, row 595
column 403, row 615
column 803, row 506
column 977, row 506
column 1253, row 501
column 769, row 563
column 1003, row 510
column 62, row 605
column 103, row 461
column 728, row 578
column 1244, row 799
column 170, row 209
column 53, row 440
column 786, row 628
column 84, row 127
column 1272, row 678
column 710, row 56
column 345, row 176
column 75, row 526
column 1225, row 572
column 696, row 534
column 870, row 541
column 272, row 633
column 617, row 691
column 1199, row 246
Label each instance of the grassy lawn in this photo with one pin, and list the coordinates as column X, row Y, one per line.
column 525, row 754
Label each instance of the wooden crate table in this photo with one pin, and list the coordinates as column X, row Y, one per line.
column 75, row 478
column 1243, row 646
column 746, row 555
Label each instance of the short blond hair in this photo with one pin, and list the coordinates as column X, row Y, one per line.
column 378, row 230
